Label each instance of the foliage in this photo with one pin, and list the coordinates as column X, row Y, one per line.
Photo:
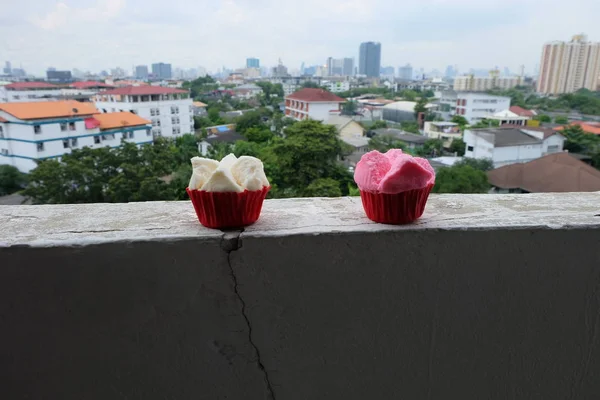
column 408, row 95
column 411, row 127
column 383, row 143
column 486, row 123
column 543, row 118
column 349, row 108
column 481, row 164
column 248, row 120
column 583, row 101
column 460, row 120
column 378, row 125
column 420, row 107
column 458, row 146
column 202, row 122
column 561, row 119
column 460, row 179
column 310, row 84
column 201, row 85
column 214, row 117
column 258, row 134
column 578, row 141
column 429, row 93
column 431, row 148
column 272, row 92
column 323, row 187
column 11, row 180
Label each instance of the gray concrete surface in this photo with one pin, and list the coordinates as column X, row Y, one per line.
column 485, row 297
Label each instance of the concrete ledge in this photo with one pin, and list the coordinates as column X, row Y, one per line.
column 485, row 297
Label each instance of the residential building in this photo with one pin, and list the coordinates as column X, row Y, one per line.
column 388, row 72
column 405, row 73
column 199, row 108
column 522, row 112
column 141, row 72
column 28, row 92
column 472, row 83
column 348, row 67
column 161, row 71
column 508, row 117
column 566, row 67
column 59, row 76
column 510, row 145
column 336, row 86
column 359, row 146
column 446, row 131
column 560, row 172
column 169, row 110
column 346, row 126
column 411, row 140
column 247, row 91
column 369, row 61
column 312, row 103
column 252, row 63
column 35, row 131
column 335, row 66
column 473, row 106
column 400, row 111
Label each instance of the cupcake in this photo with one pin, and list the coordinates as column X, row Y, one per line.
column 393, row 186
column 230, row 193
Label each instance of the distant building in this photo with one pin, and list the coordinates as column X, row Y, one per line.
column 28, row 92
column 399, row 111
column 336, row 86
column 369, row 61
column 219, row 134
column 141, row 72
column 335, row 66
column 162, row 71
column 7, row 68
column 446, row 131
column 388, row 72
column 566, row 67
column 510, row 145
column 311, row 103
column 247, row 91
column 252, row 63
column 30, row 132
column 471, row 83
column 59, row 76
column 405, row 73
column 474, row 107
column 346, row 126
column 348, row 67
column 169, row 110
column 412, row 141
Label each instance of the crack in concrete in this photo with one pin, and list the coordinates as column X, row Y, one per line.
column 231, row 242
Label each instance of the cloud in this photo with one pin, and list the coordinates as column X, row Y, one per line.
column 63, row 14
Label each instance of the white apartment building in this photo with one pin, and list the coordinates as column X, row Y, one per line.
column 169, row 110
column 566, row 67
column 28, row 92
column 511, row 145
column 336, row 86
column 311, row 103
column 473, row 106
column 472, row 83
column 35, row 131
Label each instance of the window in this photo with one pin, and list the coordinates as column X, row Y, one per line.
column 175, row 120
column 4, row 152
column 469, row 148
column 129, row 135
column 191, row 108
column 40, row 146
column 97, row 139
column 16, row 97
column 155, row 122
column 176, row 131
column 156, row 132
column 134, row 112
column 63, row 127
column 37, row 129
column 174, row 110
column 152, row 113
column 71, row 126
column 74, row 142
column 104, row 110
column 66, row 144
column 148, row 133
column 553, row 149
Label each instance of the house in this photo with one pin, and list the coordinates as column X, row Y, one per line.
column 587, row 126
column 35, row 131
column 508, row 117
column 510, row 145
column 169, row 110
column 310, row 103
column 522, row 112
column 446, row 131
column 359, row 145
column 560, row 172
column 219, row 134
column 412, row 141
column 247, row 91
column 346, row 126
column 473, row 106
column 28, row 92
column 199, row 108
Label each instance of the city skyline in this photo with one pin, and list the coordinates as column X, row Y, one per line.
column 467, row 33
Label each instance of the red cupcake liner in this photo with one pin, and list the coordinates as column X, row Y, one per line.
column 227, row 209
column 395, row 209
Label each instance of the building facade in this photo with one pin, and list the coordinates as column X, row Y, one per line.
column 309, row 103
column 141, row 72
column 28, row 91
column 369, row 60
column 471, row 83
column 348, row 68
column 252, row 63
column 170, row 110
column 405, row 73
column 30, row 132
column 474, row 107
column 566, row 67
column 162, row 71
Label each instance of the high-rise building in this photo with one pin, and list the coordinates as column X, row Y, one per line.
column 569, row 66
column 387, row 71
column 348, row 67
column 252, row 63
column 141, row 72
column 162, row 71
column 405, row 73
column 58, row 76
column 7, row 68
column 369, row 60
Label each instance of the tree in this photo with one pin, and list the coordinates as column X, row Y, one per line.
column 486, row 123
column 543, row 118
column 383, row 143
column 411, row 127
column 202, row 122
column 431, row 148
column 561, row 119
column 429, row 93
column 310, row 84
column 251, row 119
column 460, row 120
column 378, row 125
column 409, row 95
column 421, row 106
column 214, row 117
column 349, row 108
column 481, row 164
column 11, row 180
column 460, row 179
column 578, row 141
column 458, row 146
column 323, row 187
column 258, row 134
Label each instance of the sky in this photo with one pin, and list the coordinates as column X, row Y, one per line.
column 102, row 34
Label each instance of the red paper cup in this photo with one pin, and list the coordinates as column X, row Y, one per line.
column 228, row 209
column 395, row 209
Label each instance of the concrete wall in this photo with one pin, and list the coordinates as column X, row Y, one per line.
column 485, row 297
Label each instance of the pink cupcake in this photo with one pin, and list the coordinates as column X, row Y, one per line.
column 230, row 193
column 394, row 186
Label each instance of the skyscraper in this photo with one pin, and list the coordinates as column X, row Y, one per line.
column 369, row 60
column 405, row 73
column 162, row 71
column 348, row 69
column 7, row 68
column 141, row 72
column 252, row 63
column 569, row 66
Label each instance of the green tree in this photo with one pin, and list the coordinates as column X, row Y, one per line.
column 561, row 119
column 429, row 93
column 349, row 108
column 323, row 187
column 378, row 125
column 408, row 95
column 411, row 127
column 486, row 123
column 383, row 143
column 460, row 120
column 578, row 141
column 421, row 106
column 543, row 118
column 310, row 84
column 258, row 134
column 11, row 180
column 460, row 179
column 214, row 117
column 431, row 148
column 202, row 122
column 481, row 164
column 458, row 146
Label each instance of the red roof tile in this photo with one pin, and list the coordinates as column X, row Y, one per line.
column 315, row 95
column 521, row 112
column 30, row 85
column 143, row 90
column 90, row 84
column 587, row 126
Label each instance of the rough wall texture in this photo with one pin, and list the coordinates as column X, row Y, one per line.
column 486, row 297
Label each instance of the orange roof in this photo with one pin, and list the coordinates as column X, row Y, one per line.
column 199, row 104
column 589, row 127
column 2, row 119
column 48, row 109
column 119, row 120
column 315, row 95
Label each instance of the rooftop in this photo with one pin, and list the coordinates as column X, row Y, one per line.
column 504, row 137
column 48, row 109
column 401, row 135
column 143, row 90
column 587, row 126
column 31, row 85
column 522, row 112
column 546, row 131
column 359, row 141
column 313, row 95
column 90, row 84
column 119, row 120
column 340, row 121
column 558, row 172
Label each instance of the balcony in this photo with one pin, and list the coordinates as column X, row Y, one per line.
column 485, row 297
